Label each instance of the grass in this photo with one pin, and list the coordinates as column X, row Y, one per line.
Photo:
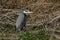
column 58, row 28
column 27, row 35
column 33, row 36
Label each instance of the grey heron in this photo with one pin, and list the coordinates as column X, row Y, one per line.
column 21, row 20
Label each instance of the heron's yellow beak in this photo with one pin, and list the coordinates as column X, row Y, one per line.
column 30, row 12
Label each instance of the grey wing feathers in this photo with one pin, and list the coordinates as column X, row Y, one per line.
column 19, row 20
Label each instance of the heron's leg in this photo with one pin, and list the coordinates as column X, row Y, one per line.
column 19, row 29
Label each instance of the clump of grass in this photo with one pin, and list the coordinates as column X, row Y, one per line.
column 9, row 29
column 27, row 35
column 33, row 36
column 58, row 28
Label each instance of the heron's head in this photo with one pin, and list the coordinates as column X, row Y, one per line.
column 27, row 12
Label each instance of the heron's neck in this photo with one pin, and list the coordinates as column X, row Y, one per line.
column 25, row 14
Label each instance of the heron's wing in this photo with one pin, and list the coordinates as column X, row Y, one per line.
column 24, row 21
column 20, row 20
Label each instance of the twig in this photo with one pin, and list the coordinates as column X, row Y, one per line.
column 54, row 19
column 51, row 36
column 57, row 37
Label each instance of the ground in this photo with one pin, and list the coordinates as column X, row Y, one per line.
column 45, row 17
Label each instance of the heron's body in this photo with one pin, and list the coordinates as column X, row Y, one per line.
column 21, row 20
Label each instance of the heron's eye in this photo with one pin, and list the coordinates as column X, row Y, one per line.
column 26, row 11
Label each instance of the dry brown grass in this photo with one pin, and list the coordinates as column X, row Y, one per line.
column 45, row 13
